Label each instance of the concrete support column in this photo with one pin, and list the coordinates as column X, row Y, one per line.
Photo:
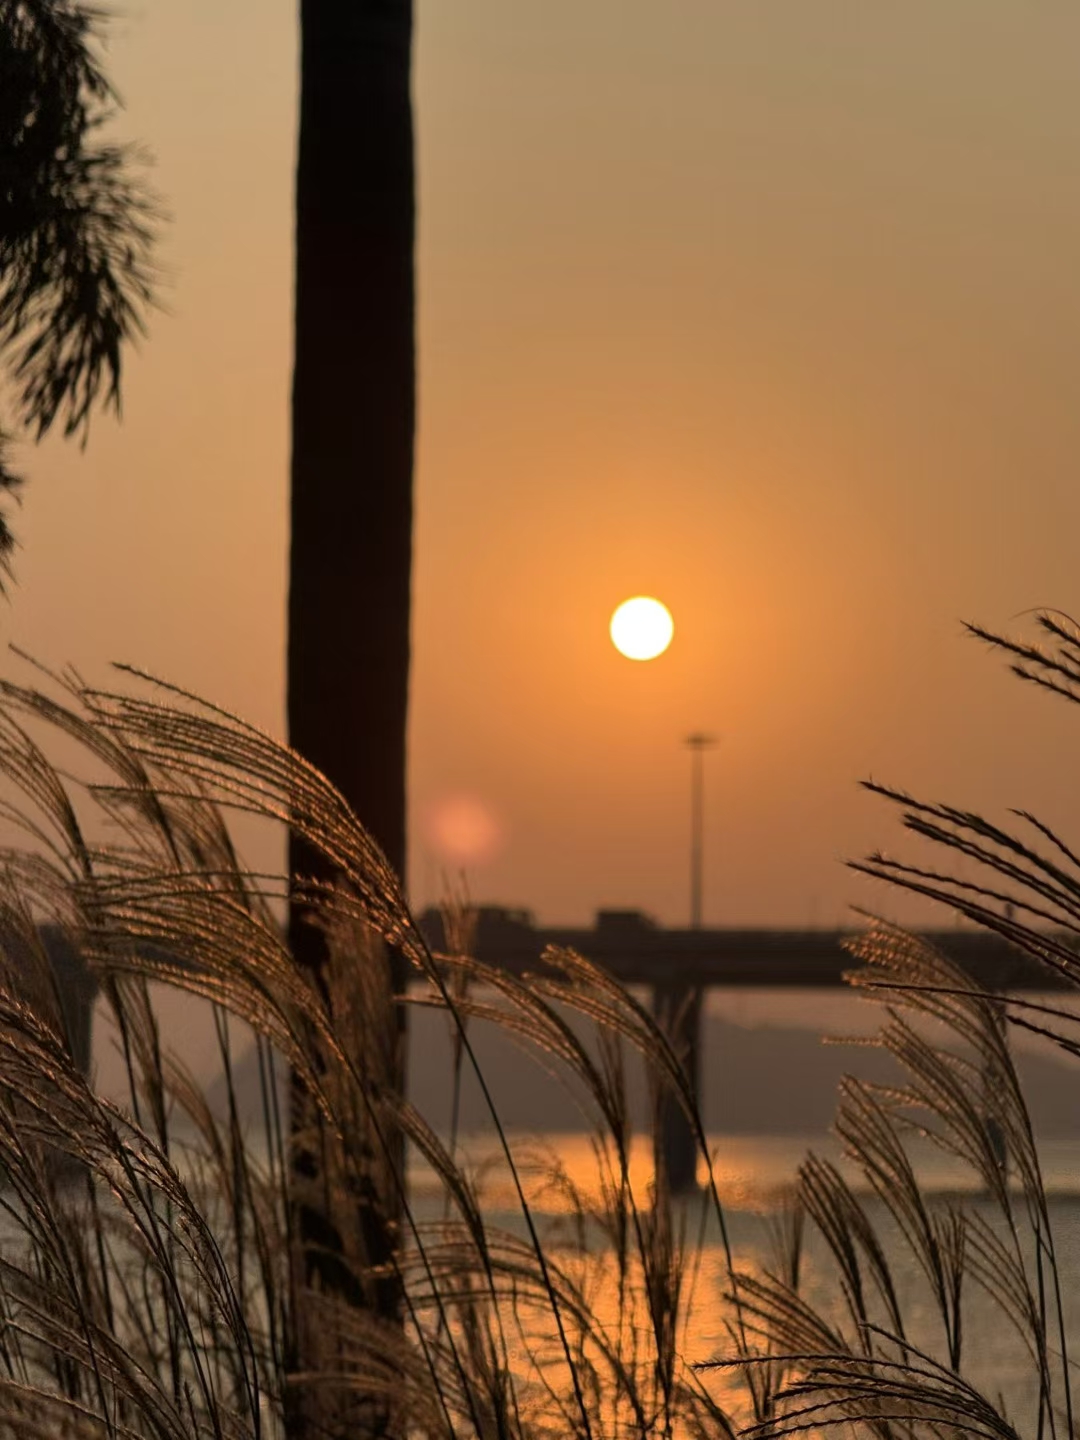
column 677, row 1007
column 991, row 1082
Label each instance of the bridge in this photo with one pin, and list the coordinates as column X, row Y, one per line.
column 637, row 951
column 679, row 965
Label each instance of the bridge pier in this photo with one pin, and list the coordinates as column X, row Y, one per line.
column 677, row 1008
column 990, row 1082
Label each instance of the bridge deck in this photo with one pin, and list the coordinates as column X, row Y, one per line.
column 640, row 953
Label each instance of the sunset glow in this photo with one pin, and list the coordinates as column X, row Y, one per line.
column 641, row 628
column 777, row 362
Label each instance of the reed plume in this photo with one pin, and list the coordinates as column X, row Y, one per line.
column 149, row 1284
column 855, row 1354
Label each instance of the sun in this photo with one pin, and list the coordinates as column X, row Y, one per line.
column 641, row 628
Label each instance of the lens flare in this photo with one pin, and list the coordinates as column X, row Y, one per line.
column 463, row 829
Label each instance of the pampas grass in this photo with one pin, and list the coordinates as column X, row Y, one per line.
column 854, row 1360
column 163, row 1291
column 152, row 1278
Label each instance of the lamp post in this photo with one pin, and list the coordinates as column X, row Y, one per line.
column 697, row 744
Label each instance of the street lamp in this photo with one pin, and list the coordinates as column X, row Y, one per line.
column 697, row 745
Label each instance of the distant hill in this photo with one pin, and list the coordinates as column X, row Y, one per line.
column 761, row 1081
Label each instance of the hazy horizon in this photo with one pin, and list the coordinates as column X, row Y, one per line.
column 770, row 312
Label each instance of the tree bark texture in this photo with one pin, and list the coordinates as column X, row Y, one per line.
column 354, row 407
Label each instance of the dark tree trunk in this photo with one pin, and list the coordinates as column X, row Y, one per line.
column 354, row 407
column 352, row 458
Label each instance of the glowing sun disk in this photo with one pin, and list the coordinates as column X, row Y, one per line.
column 641, row 628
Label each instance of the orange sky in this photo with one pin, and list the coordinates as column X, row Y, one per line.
column 770, row 310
